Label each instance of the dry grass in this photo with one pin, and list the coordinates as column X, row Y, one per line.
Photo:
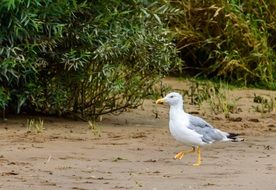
column 216, row 95
column 35, row 125
column 94, row 128
column 233, row 40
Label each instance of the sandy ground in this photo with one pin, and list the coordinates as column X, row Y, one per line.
column 135, row 151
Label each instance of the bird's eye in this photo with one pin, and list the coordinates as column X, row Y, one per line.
column 171, row 96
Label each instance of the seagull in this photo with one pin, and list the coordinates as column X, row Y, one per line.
column 191, row 130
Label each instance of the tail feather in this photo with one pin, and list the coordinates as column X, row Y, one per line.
column 234, row 137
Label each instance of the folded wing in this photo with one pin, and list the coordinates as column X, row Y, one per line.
column 208, row 132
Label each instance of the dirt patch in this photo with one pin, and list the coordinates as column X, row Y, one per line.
column 135, row 151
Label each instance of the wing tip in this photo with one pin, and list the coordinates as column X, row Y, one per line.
column 234, row 137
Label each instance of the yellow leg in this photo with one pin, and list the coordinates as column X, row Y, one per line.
column 198, row 162
column 182, row 153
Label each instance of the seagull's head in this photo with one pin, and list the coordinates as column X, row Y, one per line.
column 172, row 99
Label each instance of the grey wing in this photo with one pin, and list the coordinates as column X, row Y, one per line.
column 208, row 132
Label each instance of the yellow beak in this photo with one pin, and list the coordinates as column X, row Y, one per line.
column 160, row 101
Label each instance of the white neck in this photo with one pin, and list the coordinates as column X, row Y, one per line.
column 179, row 105
column 174, row 109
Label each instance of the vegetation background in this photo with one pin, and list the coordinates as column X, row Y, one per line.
column 91, row 58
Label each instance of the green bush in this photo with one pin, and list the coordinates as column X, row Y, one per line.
column 82, row 57
column 229, row 39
